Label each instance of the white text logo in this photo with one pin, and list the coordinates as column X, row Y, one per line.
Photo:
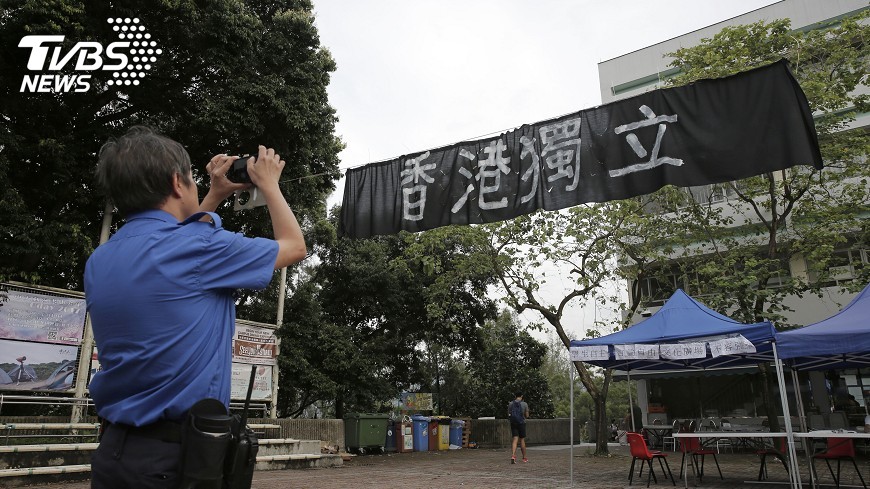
column 128, row 59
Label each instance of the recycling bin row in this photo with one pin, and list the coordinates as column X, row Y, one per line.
column 377, row 432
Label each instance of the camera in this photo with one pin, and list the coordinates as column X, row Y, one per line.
column 238, row 173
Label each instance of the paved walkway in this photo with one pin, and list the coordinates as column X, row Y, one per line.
column 548, row 467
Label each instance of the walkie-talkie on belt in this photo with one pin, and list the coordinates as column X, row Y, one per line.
column 242, row 454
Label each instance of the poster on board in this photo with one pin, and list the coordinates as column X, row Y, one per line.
column 255, row 345
column 262, row 382
column 26, row 366
column 43, row 318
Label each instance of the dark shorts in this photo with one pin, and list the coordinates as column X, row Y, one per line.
column 129, row 461
column 518, row 429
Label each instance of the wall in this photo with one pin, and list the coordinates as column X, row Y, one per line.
column 496, row 433
column 488, row 433
column 328, row 431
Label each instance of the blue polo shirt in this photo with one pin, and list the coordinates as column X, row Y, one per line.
column 160, row 296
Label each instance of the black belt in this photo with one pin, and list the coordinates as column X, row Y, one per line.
column 167, row 431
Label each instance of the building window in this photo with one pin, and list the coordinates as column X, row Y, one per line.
column 845, row 266
column 656, row 290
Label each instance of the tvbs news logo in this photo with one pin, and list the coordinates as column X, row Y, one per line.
column 128, row 59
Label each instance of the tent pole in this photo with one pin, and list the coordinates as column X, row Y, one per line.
column 803, row 419
column 799, row 399
column 571, row 422
column 786, row 416
column 630, row 403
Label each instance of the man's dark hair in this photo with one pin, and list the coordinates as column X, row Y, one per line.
column 519, row 394
column 136, row 169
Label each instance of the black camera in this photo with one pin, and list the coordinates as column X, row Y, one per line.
column 239, row 171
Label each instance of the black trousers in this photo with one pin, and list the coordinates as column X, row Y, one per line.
column 127, row 460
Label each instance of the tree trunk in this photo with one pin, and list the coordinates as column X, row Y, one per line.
column 766, row 398
column 339, row 408
column 602, row 423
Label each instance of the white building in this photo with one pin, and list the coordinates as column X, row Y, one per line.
column 646, row 69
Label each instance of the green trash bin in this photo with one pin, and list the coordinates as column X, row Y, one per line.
column 365, row 432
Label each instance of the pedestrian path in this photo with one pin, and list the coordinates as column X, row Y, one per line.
column 548, row 468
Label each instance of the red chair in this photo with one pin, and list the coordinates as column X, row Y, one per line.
column 639, row 451
column 838, row 449
column 693, row 448
column 778, row 452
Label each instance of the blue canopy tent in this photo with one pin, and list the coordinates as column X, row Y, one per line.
column 842, row 340
column 682, row 319
column 685, row 334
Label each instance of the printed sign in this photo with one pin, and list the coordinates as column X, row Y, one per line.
column 26, row 366
column 416, row 401
column 683, row 351
column 636, row 352
column 42, row 318
column 731, row 346
column 255, row 345
column 589, row 353
column 262, row 382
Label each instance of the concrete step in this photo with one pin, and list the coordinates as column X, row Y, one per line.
column 288, row 446
column 307, row 461
column 50, row 455
column 26, row 476
column 37, row 464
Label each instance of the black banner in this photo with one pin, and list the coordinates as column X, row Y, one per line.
column 711, row 131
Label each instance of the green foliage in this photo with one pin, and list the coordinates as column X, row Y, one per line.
column 379, row 316
column 509, row 360
column 233, row 74
column 556, row 370
column 577, row 249
column 739, row 254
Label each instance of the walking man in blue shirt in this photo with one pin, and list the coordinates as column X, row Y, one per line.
column 160, row 296
column 518, row 411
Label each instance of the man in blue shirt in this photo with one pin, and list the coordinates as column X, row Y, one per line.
column 160, row 297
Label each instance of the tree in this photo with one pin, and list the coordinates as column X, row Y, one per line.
column 748, row 244
column 555, row 370
column 739, row 254
column 238, row 74
column 579, row 246
column 508, row 361
column 393, row 310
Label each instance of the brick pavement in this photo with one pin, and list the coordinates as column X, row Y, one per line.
column 485, row 468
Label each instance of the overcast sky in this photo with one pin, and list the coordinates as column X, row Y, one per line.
column 418, row 74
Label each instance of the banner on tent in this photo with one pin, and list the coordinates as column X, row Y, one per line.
column 636, row 352
column 710, row 131
column 683, row 351
column 589, row 353
column 731, row 346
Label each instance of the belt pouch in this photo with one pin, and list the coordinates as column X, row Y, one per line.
column 206, row 437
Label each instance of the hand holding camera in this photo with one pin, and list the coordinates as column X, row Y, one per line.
column 261, row 170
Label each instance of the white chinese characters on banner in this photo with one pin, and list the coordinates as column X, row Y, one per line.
column 683, row 351
column 731, row 346
column 636, row 352
column 589, row 353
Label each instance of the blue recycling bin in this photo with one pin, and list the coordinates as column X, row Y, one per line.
column 456, row 427
column 421, row 433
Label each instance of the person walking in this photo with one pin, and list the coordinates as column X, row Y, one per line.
column 518, row 411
